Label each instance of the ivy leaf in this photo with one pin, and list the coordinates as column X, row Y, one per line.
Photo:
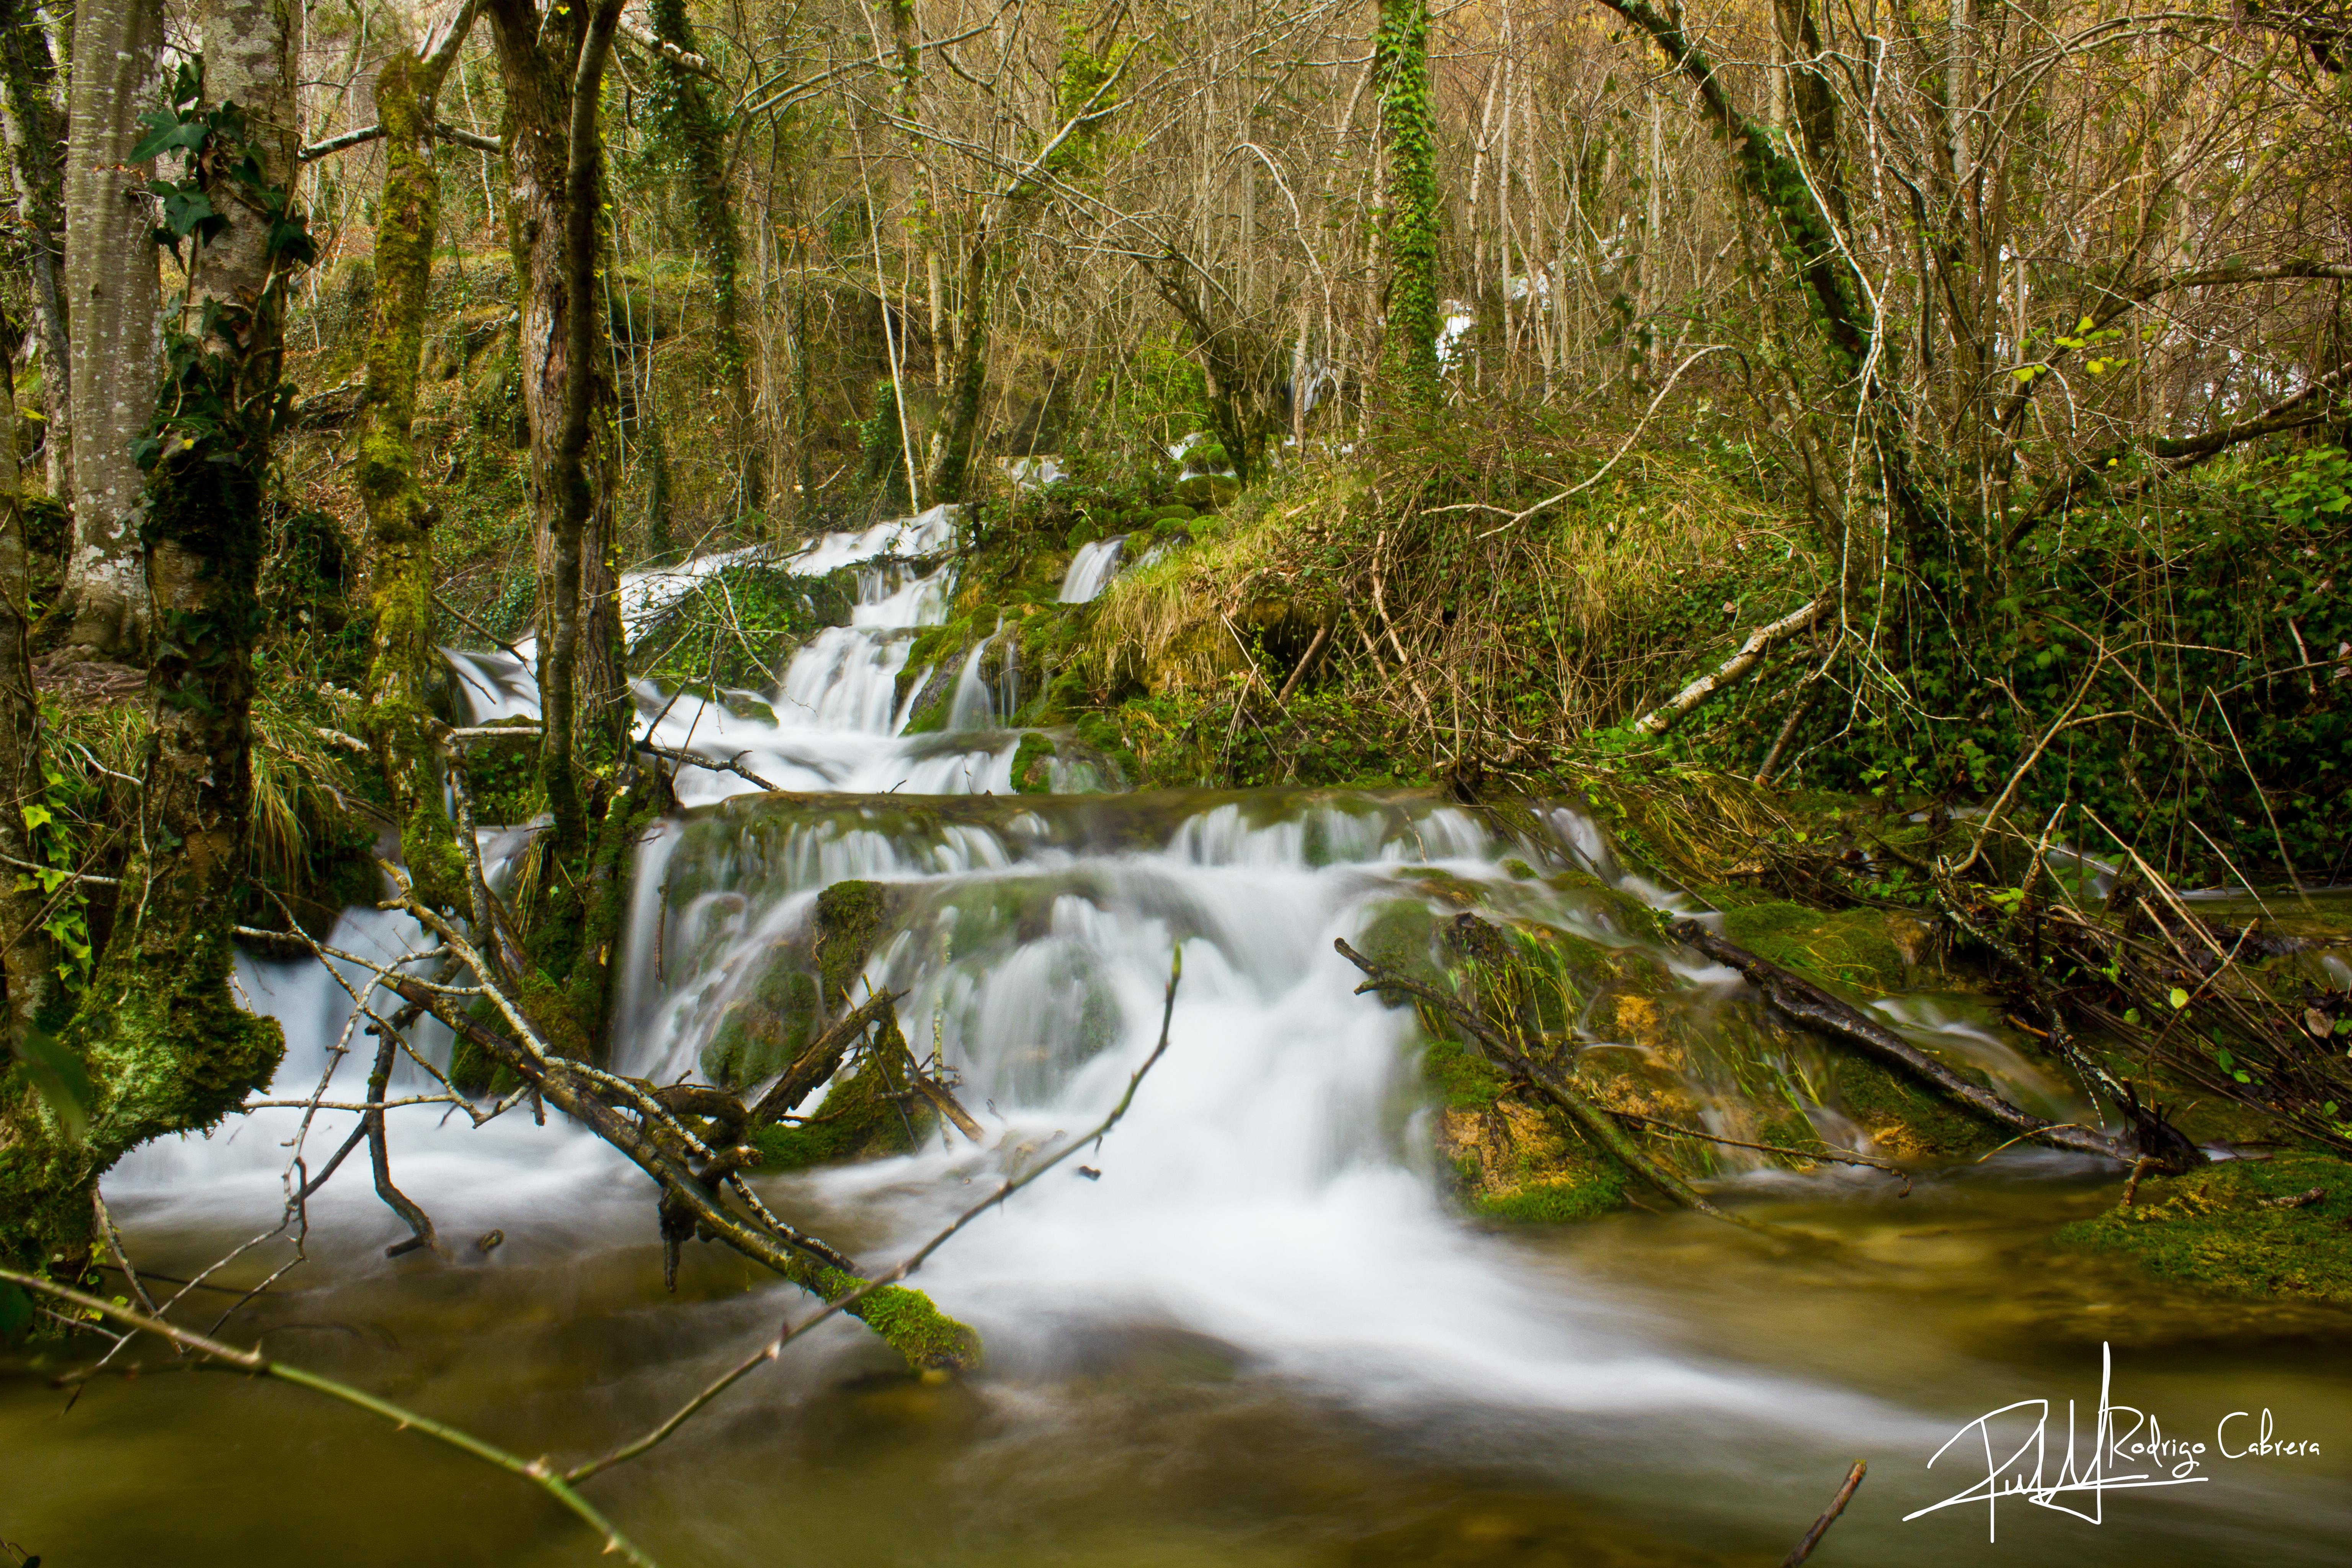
column 58, row 1076
column 168, row 133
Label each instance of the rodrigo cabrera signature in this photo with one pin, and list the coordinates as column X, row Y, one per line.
column 2129, row 1451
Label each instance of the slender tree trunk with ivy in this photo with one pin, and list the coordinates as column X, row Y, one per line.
column 159, row 1038
column 400, row 517
column 1400, row 61
column 25, row 960
column 948, row 464
column 35, row 138
column 696, row 136
column 112, row 282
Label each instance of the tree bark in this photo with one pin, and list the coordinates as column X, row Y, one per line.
column 24, row 961
column 159, row 1035
column 400, row 517
column 36, row 146
column 1408, row 133
column 113, row 289
column 684, row 115
column 566, row 390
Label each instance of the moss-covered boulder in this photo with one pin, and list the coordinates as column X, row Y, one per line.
column 870, row 1107
column 1868, row 948
column 2244, row 1228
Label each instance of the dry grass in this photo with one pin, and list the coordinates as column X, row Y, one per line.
column 1488, row 637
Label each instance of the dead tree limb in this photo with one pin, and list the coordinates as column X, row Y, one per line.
column 1805, row 1004
column 1661, row 719
column 1812, row 1537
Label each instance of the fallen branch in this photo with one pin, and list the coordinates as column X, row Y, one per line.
column 537, row 1471
column 1838, row 1156
column 1661, row 719
column 1804, row 1547
column 1803, row 1002
column 913, row 1261
column 733, row 764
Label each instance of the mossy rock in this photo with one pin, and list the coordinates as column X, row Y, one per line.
column 1907, row 1117
column 850, row 919
column 1032, row 765
column 1460, row 1080
column 1513, row 1160
column 2210, row 1229
column 1854, row 947
column 761, row 1033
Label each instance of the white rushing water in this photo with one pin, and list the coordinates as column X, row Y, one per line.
column 833, row 721
column 1092, row 567
column 1271, row 1186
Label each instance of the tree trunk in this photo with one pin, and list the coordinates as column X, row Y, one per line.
column 1408, row 133
column 948, row 465
column 583, row 693
column 36, row 146
column 400, row 518
column 24, row 961
column 113, row 298
column 684, row 116
column 159, row 1035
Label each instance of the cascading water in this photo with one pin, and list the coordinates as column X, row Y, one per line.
column 1091, row 569
column 1270, row 1204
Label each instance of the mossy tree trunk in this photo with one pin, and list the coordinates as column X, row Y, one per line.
column 25, row 960
column 112, row 284
column 159, row 1035
column 400, row 517
column 698, row 137
column 36, row 148
column 948, row 465
column 1410, row 226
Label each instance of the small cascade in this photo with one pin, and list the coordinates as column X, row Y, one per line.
column 832, row 722
column 988, row 691
column 1091, row 569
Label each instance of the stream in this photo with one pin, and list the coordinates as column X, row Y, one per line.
column 1264, row 1334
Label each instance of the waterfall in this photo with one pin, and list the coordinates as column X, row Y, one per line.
column 1272, row 1186
column 1091, row 569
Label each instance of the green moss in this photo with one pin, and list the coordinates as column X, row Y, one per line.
column 1852, row 946
column 2208, row 1229
column 1908, row 1118
column 1562, row 1201
column 850, row 919
column 1033, row 765
column 1460, row 1081
column 765, row 1032
column 868, row 1114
